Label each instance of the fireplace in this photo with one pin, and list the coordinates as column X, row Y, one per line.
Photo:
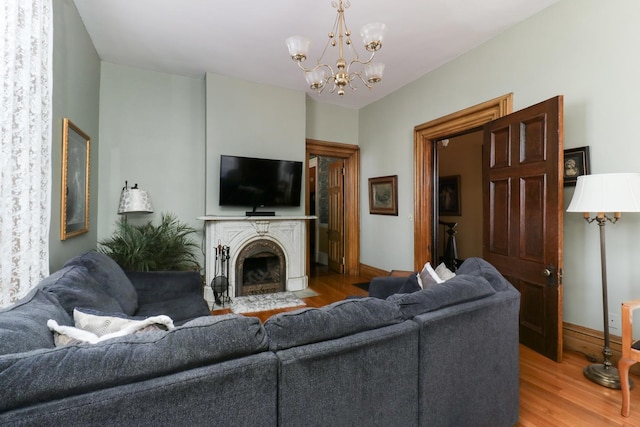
column 260, row 269
column 267, row 254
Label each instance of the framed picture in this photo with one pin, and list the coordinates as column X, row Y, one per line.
column 449, row 195
column 383, row 195
column 576, row 163
column 76, row 147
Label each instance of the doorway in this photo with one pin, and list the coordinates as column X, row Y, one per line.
column 351, row 198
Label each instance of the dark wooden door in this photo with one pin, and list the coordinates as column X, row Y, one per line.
column 522, row 172
column 336, row 216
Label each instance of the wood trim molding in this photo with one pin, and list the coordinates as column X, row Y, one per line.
column 351, row 154
column 370, row 272
column 425, row 136
column 590, row 343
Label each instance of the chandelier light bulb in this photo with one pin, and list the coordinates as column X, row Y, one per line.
column 373, row 73
column 298, row 47
column 372, row 35
column 316, row 78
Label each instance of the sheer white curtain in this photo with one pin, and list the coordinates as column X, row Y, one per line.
column 26, row 42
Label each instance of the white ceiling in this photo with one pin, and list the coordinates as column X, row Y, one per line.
column 245, row 39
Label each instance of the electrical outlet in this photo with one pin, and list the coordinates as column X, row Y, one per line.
column 614, row 321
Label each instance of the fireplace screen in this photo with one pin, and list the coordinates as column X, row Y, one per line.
column 261, row 269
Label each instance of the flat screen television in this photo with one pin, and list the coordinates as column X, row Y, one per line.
column 253, row 182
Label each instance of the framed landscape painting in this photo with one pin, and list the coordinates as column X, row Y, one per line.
column 75, row 181
column 383, row 195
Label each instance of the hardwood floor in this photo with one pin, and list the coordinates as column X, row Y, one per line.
column 551, row 394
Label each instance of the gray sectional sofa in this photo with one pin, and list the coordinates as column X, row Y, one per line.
column 445, row 356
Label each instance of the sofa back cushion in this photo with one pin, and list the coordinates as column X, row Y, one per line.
column 23, row 325
column 74, row 287
column 75, row 369
column 110, row 276
column 480, row 267
column 457, row 290
column 342, row 318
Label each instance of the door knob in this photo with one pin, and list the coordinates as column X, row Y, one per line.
column 549, row 274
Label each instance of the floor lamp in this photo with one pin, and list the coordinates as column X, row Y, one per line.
column 602, row 193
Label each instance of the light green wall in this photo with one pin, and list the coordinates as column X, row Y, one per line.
column 152, row 129
column 331, row 123
column 76, row 81
column 249, row 119
column 582, row 49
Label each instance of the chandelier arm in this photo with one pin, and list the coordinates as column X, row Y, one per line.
column 352, row 78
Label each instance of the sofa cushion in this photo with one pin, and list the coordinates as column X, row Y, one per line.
column 108, row 274
column 456, row 290
column 180, row 309
column 56, row 373
column 412, row 284
column 309, row 325
column 74, row 287
column 480, row 267
column 23, row 325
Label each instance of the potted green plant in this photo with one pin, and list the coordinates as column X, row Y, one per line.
column 165, row 247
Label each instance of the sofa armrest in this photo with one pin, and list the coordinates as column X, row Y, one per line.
column 383, row 287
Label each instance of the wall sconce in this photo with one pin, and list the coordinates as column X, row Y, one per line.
column 134, row 200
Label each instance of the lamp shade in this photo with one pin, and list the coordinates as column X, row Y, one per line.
column 134, row 200
column 612, row 192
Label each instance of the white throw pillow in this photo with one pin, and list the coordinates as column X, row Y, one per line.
column 444, row 273
column 429, row 276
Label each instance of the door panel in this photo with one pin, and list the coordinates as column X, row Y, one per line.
column 336, row 216
column 522, row 176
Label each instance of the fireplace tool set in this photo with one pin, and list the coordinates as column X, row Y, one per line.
column 220, row 283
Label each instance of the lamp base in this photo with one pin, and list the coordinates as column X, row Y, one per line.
column 605, row 376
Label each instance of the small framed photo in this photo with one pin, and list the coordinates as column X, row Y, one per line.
column 576, row 163
column 449, row 195
column 383, row 195
column 74, row 216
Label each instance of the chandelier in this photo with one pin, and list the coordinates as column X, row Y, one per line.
column 346, row 72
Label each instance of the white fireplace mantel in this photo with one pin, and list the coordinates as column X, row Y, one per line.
column 289, row 232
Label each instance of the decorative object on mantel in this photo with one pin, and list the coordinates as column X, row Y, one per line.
column 576, row 163
column 383, row 195
column 134, row 200
column 146, row 247
column 602, row 193
column 319, row 75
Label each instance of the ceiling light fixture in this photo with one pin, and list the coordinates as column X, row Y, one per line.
column 319, row 75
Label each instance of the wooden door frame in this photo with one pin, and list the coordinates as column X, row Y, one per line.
column 426, row 136
column 351, row 155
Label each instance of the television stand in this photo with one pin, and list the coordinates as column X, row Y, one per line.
column 260, row 213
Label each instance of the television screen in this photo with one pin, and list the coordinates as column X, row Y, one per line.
column 252, row 182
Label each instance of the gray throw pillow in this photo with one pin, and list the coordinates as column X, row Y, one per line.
column 74, row 287
column 108, row 274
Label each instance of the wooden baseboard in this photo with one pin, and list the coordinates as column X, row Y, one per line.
column 370, row 272
column 591, row 342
